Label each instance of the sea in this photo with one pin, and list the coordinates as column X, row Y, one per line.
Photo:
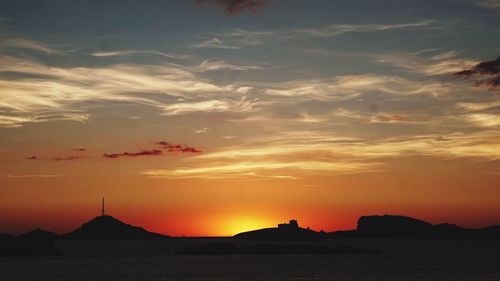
column 154, row 260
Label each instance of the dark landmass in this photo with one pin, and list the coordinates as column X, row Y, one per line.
column 31, row 244
column 109, row 228
column 391, row 226
column 40, row 234
column 271, row 249
column 284, row 232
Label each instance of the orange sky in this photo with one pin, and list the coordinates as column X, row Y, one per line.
column 210, row 119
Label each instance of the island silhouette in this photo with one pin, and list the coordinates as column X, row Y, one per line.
column 105, row 227
column 284, row 232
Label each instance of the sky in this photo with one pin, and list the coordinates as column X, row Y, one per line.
column 211, row 117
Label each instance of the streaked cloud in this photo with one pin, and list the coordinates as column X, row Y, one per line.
column 483, row 119
column 39, row 93
column 339, row 29
column 233, row 7
column 439, row 64
column 251, row 169
column 351, row 86
column 241, row 38
column 241, row 105
column 170, row 147
column 27, row 44
column 154, row 152
column 319, row 154
column 125, row 53
column 28, row 176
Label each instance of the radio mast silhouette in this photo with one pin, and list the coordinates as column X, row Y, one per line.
column 103, row 211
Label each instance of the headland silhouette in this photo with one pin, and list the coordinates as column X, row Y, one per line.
column 105, row 227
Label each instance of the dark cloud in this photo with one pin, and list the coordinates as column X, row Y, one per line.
column 177, row 147
column 233, row 7
column 57, row 158
column 66, row 158
column 154, row 152
column 486, row 73
column 79, row 149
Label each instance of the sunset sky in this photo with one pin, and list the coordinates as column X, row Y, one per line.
column 211, row 117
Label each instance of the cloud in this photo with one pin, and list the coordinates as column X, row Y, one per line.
column 124, row 53
column 233, row 7
column 483, row 119
column 491, row 4
column 352, row 86
column 485, row 73
column 261, row 169
column 56, row 158
column 439, row 64
column 240, row 38
column 177, row 147
column 67, row 158
column 35, row 176
column 339, row 29
column 241, row 105
column 154, row 152
column 41, row 93
column 27, row 44
column 79, row 149
column 301, row 153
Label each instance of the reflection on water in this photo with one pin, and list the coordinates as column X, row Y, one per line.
column 152, row 260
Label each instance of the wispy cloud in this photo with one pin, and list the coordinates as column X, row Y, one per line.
column 170, row 147
column 35, row 176
column 251, row 169
column 339, row 29
column 241, row 105
column 27, row 44
column 40, row 93
column 351, row 86
column 154, row 152
column 233, row 7
column 439, row 64
column 322, row 154
column 240, row 38
column 67, row 158
column 492, row 4
column 125, row 53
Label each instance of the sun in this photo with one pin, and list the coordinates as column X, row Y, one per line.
column 235, row 225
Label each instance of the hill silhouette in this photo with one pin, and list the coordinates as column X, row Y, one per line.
column 33, row 244
column 394, row 226
column 109, row 228
column 284, row 232
column 39, row 234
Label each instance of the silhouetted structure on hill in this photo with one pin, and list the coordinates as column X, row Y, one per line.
column 392, row 226
column 105, row 227
column 284, row 232
column 108, row 228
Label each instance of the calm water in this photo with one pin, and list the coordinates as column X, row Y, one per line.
column 401, row 260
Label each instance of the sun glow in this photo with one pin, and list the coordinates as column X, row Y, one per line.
column 235, row 225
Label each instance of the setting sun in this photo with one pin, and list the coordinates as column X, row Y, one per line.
column 235, row 225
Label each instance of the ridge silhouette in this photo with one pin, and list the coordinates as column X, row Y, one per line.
column 284, row 232
column 394, row 226
column 106, row 227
